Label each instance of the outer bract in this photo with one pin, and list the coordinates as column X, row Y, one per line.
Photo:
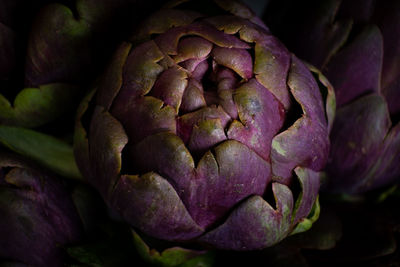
column 37, row 215
column 357, row 46
column 206, row 129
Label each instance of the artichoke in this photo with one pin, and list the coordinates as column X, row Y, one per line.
column 205, row 129
column 37, row 215
column 30, row 96
column 50, row 52
column 357, row 46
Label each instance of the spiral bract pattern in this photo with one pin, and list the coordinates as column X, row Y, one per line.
column 196, row 121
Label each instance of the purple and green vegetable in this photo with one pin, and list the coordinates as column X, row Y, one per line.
column 204, row 128
column 356, row 44
column 200, row 139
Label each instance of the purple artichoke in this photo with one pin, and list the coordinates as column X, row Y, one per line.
column 204, row 128
column 37, row 215
column 356, row 44
column 49, row 53
column 43, row 97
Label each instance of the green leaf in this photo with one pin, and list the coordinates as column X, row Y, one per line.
column 174, row 256
column 85, row 256
column 33, row 107
column 387, row 193
column 306, row 223
column 44, row 149
column 324, row 234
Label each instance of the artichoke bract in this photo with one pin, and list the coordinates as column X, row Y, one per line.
column 42, row 97
column 37, row 215
column 357, row 47
column 204, row 128
column 50, row 51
